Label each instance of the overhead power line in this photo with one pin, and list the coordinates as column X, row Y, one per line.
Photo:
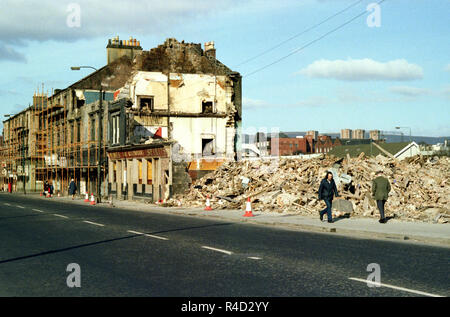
column 310, row 43
column 301, row 33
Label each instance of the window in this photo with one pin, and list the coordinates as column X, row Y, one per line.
column 207, row 147
column 78, row 131
column 146, row 103
column 93, row 128
column 72, row 132
column 207, row 107
column 115, row 129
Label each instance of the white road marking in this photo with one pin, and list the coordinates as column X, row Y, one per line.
column 218, row 250
column 254, row 258
column 60, row 216
column 156, row 237
column 7, row 204
column 135, row 232
column 37, row 210
column 20, row 207
column 147, row 235
column 394, row 287
column 94, row 223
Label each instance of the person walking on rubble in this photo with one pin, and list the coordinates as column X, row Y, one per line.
column 327, row 190
column 380, row 191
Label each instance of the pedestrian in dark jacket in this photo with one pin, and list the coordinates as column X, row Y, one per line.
column 46, row 188
column 50, row 189
column 380, row 192
column 72, row 188
column 327, row 190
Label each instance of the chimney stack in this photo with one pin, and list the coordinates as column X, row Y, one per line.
column 210, row 51
column 117, row 48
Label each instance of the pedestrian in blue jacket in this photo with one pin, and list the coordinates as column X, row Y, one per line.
column 327, row 190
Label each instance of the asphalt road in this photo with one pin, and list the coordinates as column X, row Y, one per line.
column 132, row 253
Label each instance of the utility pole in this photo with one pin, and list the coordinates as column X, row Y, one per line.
column 410, row 138
column 23, row 159
column 100, row 158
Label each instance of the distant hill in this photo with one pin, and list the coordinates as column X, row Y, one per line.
column 390, row 138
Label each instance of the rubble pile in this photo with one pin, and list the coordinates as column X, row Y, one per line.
column 420, row 189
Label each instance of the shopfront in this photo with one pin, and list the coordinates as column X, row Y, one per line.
column 140, row 172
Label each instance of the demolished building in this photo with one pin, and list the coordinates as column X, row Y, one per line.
column 166, row 116
column 178, row 116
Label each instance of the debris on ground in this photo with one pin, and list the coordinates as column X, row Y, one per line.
column 420, row 186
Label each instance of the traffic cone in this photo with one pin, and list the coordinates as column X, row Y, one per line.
column 208, row 204
column 86, row 200
column 248, row 209
column 92, row 199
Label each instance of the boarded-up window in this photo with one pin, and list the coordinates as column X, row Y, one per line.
column 149, row 172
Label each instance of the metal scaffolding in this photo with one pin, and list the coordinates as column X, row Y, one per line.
column 51, row 148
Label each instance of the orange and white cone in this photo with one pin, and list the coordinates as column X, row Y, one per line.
column 92, row 199
column 248, row 208
column 208, row 204
column 86, row 200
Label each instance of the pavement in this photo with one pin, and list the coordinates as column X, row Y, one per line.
column 168, row 252
column 394, row 229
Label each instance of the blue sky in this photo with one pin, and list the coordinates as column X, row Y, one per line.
column 397, row 74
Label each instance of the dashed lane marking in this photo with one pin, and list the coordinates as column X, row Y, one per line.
column 217, row 250
column 394, row 287
column 60, row 216
column 148, row 235
column 94, row 223
column 37, row 210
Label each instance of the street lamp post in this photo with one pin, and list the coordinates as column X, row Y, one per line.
column 100, row 111
column 410, row 140
column 9, row 150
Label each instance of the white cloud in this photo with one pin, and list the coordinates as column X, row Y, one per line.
column 447, row 68
column 248, row 103
column 446, row 91
column 316, row 101
column 8, row 53
column 42, row 20
column 409, row 91
column 363, row 70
